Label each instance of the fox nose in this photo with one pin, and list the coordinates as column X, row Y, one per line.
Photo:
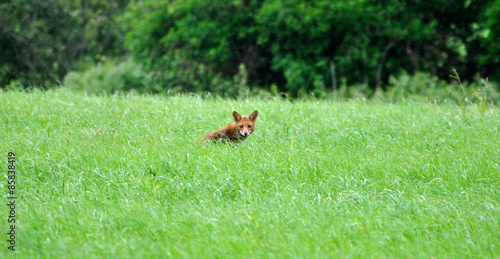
column 245, row 134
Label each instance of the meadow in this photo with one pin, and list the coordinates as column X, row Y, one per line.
column 124, row 176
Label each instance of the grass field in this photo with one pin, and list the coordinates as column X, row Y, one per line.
column 125, row 177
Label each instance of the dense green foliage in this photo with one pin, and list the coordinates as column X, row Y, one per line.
column 41, row 40
column 124, row 176
column 300, row 47
column 491, row 59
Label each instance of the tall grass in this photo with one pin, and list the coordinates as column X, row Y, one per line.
column 124, row 176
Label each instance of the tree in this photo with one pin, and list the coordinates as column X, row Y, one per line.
column 43, row 39
column 490, row 59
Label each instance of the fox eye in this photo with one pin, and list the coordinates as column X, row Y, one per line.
column 249, row 127
column 241, row 126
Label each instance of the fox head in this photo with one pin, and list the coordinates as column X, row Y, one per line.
column 245, row 124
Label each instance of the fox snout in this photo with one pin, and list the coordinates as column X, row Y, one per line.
column 245, row 133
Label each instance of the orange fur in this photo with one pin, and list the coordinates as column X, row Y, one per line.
column 237, row 131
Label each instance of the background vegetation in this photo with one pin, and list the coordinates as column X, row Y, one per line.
column 226, row 47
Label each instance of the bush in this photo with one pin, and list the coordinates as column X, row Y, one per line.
column 425, row 87
column 175, row 73
column 111, row 76
column 178, row 76
column 420, row 85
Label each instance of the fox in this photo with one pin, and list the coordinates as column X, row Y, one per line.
column 235, row 132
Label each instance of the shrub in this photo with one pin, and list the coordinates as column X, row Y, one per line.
column 111, row 76
column 423, row 86
column 177, row 76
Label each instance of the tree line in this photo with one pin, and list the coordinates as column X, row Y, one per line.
column 294, row 46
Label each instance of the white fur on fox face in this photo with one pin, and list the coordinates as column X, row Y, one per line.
column 247, row 133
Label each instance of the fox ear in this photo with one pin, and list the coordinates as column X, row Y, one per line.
column 253, row 116
column 236, row 116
